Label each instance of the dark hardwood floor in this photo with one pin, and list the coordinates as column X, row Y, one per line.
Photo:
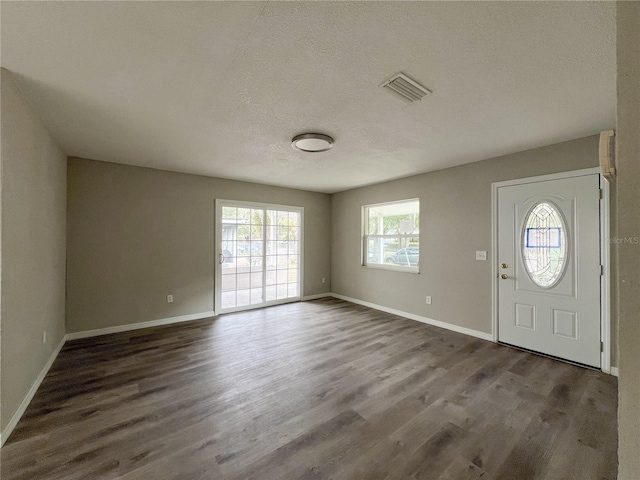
column 315, row 390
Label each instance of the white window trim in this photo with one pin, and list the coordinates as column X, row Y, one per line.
column 364, row 236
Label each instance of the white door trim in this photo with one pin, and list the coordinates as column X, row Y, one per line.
column 605, row 283
column 605, row 297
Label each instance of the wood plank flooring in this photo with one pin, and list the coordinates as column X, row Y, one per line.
column 315, row 390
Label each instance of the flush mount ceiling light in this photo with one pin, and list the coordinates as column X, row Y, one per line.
column 312, row 142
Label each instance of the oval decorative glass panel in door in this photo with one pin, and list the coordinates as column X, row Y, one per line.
column 544, row 244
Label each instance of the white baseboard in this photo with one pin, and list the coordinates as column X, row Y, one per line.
column 139, row 325
column 419, row 318
column 316, row 296
column 614, row 371
column 86, row 334
column 197, row 316
column 30, row 394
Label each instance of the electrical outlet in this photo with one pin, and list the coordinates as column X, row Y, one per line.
column 324, row 280
column 428, row 300
column 44, row 336
column 169, row 298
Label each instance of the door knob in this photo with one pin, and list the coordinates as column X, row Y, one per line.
column 504, row 265
column 504, row 276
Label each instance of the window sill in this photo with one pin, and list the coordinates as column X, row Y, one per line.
column 414, row 270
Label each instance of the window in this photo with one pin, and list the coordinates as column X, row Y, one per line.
column 391, row 235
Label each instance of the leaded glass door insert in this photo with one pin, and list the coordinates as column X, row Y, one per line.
column 544, row 244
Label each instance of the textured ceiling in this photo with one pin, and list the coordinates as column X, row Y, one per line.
column 220, row 88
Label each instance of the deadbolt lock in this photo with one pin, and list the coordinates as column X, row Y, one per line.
column 504, row 265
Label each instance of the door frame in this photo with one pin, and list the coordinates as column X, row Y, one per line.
column 217, row 235
column 605, row 282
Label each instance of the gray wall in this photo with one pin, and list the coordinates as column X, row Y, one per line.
column 33, row 247
column 628, row 213
column 455, row 221
column 136, row 235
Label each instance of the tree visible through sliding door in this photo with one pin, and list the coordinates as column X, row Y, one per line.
column 259, row 255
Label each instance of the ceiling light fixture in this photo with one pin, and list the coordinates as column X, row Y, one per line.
column 312, row 142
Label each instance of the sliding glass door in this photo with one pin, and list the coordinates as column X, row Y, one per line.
column 259, row 255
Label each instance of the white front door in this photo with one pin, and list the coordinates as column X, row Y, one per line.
column 549, row 267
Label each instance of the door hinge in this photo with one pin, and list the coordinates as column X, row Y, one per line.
column 601, row 194
column 601, row 347
column 601, row 270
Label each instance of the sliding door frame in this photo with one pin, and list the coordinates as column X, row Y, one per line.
column 217, row 252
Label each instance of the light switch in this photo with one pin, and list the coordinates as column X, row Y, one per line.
column 481, row 255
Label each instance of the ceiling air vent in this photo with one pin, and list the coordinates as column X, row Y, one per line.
column 404, row 88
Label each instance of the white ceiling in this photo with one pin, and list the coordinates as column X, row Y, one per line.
column 220, row 88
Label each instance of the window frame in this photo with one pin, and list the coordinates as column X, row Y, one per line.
column 365, row 236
